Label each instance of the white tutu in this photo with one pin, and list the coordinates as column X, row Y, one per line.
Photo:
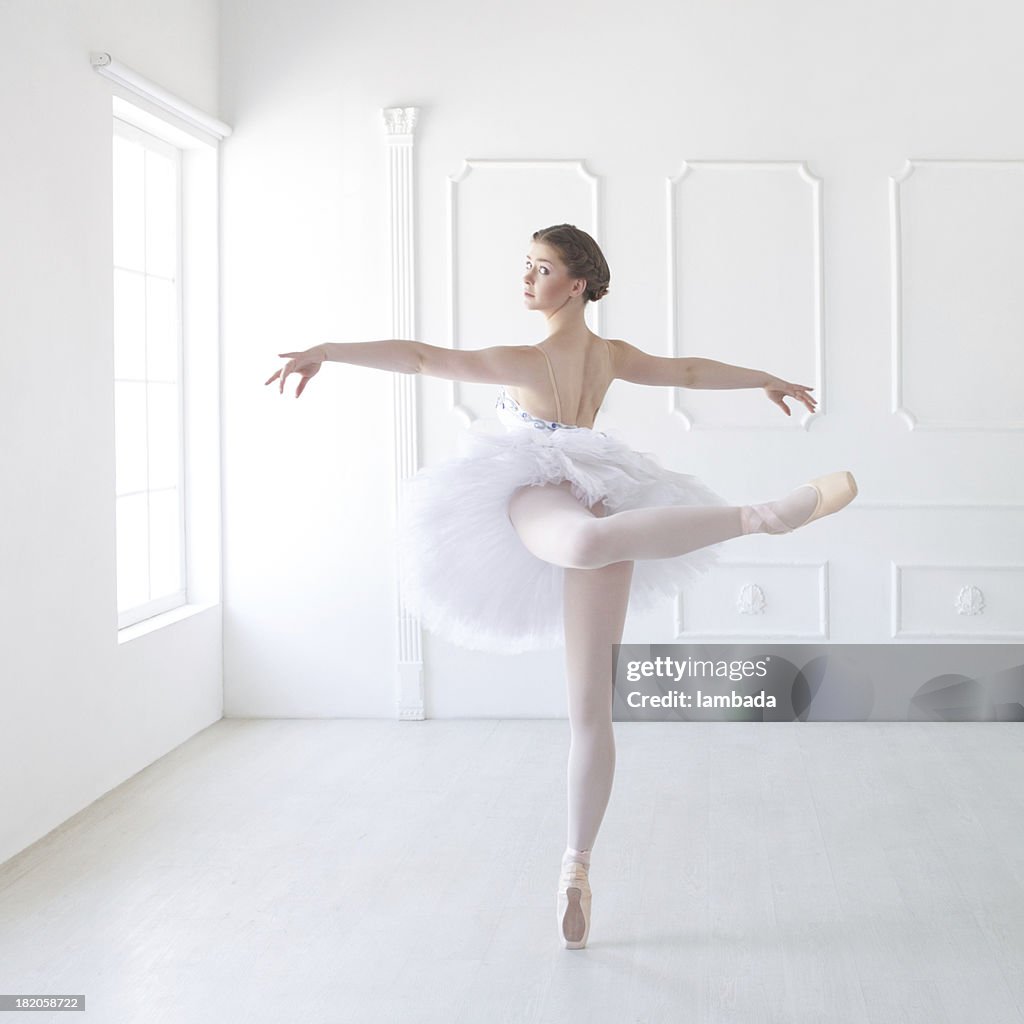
column 468, row 577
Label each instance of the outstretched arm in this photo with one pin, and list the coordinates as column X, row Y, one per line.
column 393, row 354
column 639, row 367
column 500, row 364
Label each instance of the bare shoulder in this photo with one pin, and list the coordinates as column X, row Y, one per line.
column 639, row 367
column 626, row 358
column 520, row 365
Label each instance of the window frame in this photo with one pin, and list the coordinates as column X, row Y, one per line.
column 169, row 601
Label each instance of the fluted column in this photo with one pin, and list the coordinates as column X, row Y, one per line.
column 399, row 123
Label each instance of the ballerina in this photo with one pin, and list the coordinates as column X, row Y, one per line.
column 548, row 531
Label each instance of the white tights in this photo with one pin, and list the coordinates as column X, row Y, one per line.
column 597, row 551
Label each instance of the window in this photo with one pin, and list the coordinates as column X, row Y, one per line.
column 148, row 375
column 166, row 358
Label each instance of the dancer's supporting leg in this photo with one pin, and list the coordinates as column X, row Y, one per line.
column 558, row 528
column 595, row 602
column 594, row 608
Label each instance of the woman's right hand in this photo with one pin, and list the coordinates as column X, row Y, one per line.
column 306, row 364
column 776, row 389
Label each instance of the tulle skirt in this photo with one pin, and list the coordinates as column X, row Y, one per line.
column 467, row 576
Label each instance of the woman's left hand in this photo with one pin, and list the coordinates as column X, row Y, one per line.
column 777, row 388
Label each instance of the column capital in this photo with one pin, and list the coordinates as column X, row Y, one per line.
column 400, row 120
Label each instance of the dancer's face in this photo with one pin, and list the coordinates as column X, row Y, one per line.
column 546, row 280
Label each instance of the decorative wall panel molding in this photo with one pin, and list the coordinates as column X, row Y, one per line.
column 783, row 601
column 941, row 601
column 957, row 261
column 755, row 281
column 494, row 206
column 399, row 124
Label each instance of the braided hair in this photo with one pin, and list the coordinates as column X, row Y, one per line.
column 581, row 255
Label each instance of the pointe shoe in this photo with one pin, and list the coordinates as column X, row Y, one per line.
column 834, row 490
column 574, row 899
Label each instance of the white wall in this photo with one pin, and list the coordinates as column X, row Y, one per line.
column 634, row 90
column 80, row 713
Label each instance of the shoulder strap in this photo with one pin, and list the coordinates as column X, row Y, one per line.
column 554, row 387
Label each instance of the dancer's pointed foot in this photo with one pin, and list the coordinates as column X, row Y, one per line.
column 574, row 900
column 821, row 497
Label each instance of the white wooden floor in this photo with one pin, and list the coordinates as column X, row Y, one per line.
column 364, row 871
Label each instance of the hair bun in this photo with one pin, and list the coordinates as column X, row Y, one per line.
column 581, row 255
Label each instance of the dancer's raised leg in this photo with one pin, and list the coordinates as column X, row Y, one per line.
column 557, row 527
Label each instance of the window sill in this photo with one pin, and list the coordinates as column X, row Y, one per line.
column 150, row 625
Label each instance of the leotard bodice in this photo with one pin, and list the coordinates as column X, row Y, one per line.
column 512, row 414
